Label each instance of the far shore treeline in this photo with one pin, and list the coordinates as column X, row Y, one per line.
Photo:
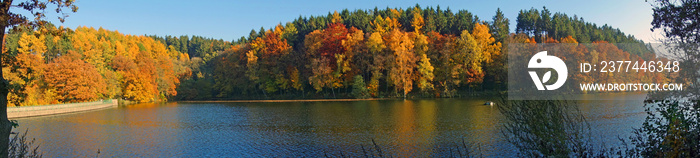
column 379, row 53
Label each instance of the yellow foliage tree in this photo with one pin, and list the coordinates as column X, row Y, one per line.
column 25, row 71
column 30, row 44
column 375, row 45
column 488, row 45
column 335, row 18
column 382, row 25
column 417, row 21
column 468, row 59
column 401, row 72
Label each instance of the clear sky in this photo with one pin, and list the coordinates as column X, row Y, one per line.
column 230, row 20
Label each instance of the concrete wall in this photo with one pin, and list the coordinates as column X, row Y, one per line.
column 41, row 110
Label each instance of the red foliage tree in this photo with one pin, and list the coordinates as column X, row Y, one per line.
column 332, row 42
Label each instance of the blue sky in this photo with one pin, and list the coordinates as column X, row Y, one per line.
column 232, row 19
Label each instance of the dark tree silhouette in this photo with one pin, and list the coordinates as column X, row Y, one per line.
column 10, row 19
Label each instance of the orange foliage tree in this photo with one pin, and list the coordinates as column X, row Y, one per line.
column 73, row 79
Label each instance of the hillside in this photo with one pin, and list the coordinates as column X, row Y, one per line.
column 52, row 65
column 425, row 52
column 416, row 52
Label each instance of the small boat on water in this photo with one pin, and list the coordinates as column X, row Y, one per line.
column 489, row 103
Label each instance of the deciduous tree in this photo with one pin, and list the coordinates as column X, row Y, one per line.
column 73, row 79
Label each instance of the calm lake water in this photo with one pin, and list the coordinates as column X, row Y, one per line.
column 410, row 128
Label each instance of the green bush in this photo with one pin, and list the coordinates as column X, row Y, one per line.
column 359, row 89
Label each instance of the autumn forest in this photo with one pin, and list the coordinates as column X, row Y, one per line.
column 376, row 53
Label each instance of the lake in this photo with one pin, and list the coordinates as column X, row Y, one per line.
column 400, row 128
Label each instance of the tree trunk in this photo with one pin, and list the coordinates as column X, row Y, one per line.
column 5, row 125
column 333, row 91
column 263, row 90
column 404, row 94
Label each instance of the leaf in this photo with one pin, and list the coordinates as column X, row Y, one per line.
column 546, row 76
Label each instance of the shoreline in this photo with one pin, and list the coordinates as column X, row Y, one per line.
column 57, row 109
column 478, row 94
column 282, row 101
